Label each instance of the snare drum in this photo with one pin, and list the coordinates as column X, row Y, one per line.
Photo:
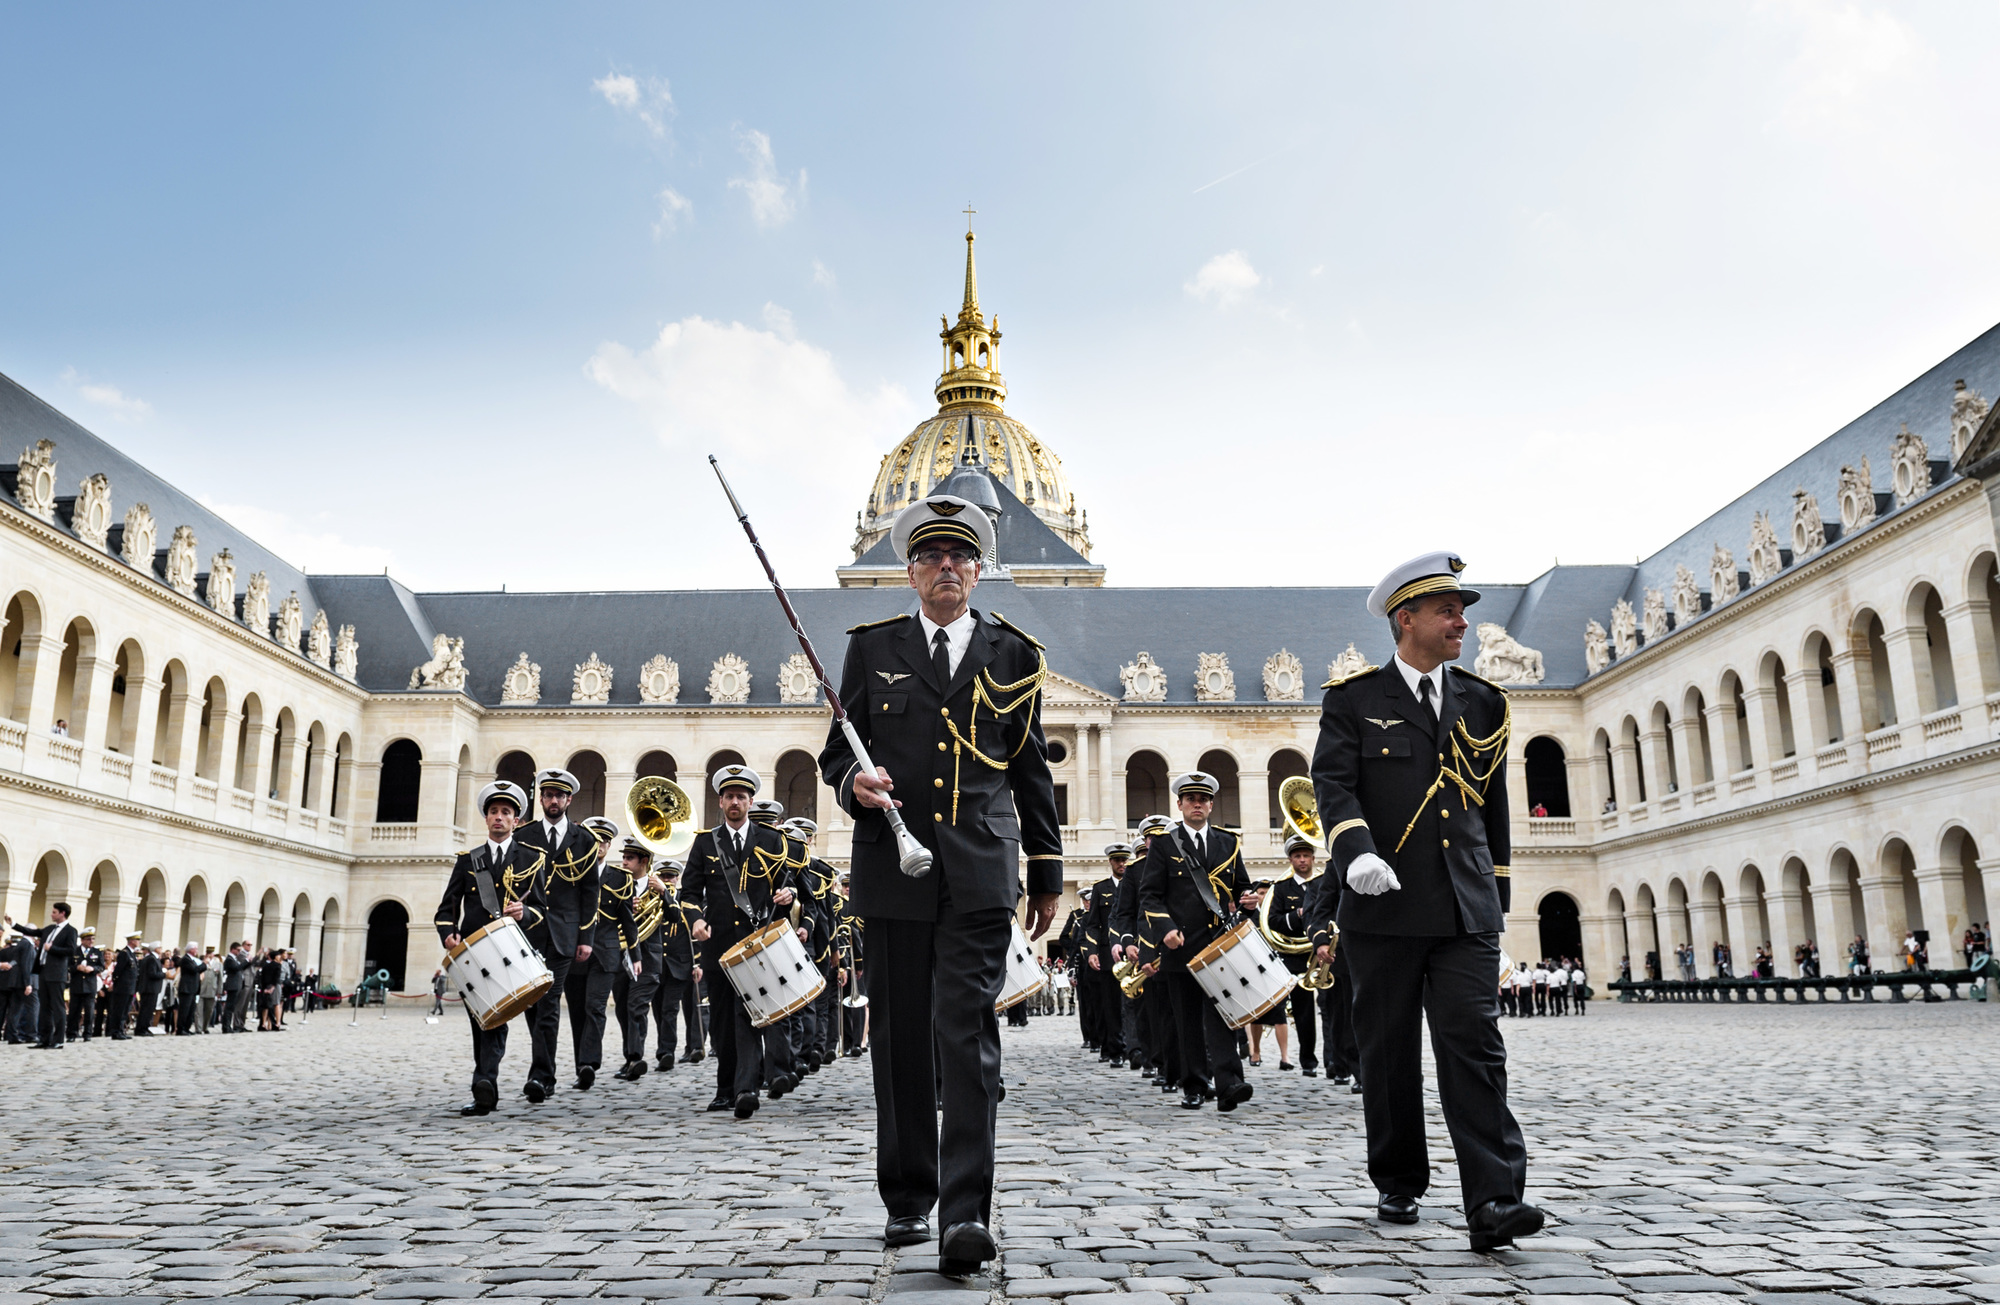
column 1241, row 974
column 498, row 973
column 772, row 973
column 1024, row 976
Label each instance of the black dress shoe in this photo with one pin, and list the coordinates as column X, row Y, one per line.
column 1286, row 1064
column 1498, row 1223
column 476, row 1108
column 585, row 1076
column 1235, row 1096
column 1356, row 1089
column 691, row 1057
column 969, row 1243
column 720, row 1103
column 633, row 1071
column 780, row 1085
column 1396, row 1209
column 810, row 1065
column 534, row 1091
column 828, row 1057
column 1190, row 1099
column 663, row 1063
column 746, row 1104
column 1309, row 1072
column 906, row 1231
column 1338, row 1080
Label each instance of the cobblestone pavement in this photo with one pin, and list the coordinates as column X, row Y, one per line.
column 1692, row 1156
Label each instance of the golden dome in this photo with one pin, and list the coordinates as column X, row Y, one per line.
column 970, row 393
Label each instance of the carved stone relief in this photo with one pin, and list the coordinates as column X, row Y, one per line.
column 660, row 681
column 1909, row 467
column 180, row 561
column 796, row 681
column 1350, row 662
column 1213, row 680
column 729, row 680
column 1722, row 579
column 590, row 683
column 1687, row 596
column 1656, row 615
column 257, row 604
column 522, row 683
column 1764, row 559
column 346, row 653
column 1144, row 679
column 291, row 616
column 1624, row 629
column 1857, row 497
column 141, row 533
column 221, row 592
column 36, row 489
column 1968, row 410
column 1504, row 659
column 1596, row 648
column 1284, row 678
column 319, row 641
column 1808, row 527
column 445, row 669
column 91, row 515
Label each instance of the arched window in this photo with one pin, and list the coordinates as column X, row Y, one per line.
column 1745, row 758
column 1600, row 752
column 24, row 625
column 1562, row 927
column 388, row 942
column 1285, row 764
column 79, row 653
column 104, row 883
column 658, row 765
column 343, row 766
column 194, row 905
column 329, row 930
column 711, row 806
column 1547, row 772
column 1629, row 736
column 208, row 745
column 1961, row 857
column 268, row 912
column 1229, row 793
column 170, row 720
column 1878, row 690
column 244, row 773
column 797, row 785
column 1774, row 680
column 295, row 938
column 1819, row 653
column 1941, row 690
column 401, row 783
column 234, row 903
column 1145, row 788
column 588, row 767
column 517, row 768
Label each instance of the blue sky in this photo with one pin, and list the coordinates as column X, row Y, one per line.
column 1296, row 292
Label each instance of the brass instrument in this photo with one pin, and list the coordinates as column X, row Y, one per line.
column 1295, row 799
column 661, row 815
column 855, row 997
column 1131, row 979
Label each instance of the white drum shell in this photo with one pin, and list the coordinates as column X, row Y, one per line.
column 498, row 973
column 775, row 978
column 1024, row 976
column 1245, row 978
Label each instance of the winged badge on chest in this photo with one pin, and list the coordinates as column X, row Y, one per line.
column 1382, row 724
column 890, row 677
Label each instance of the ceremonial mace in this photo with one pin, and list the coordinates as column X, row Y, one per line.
column 915, row 857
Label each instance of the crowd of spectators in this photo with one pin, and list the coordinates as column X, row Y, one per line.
column 1550, row 986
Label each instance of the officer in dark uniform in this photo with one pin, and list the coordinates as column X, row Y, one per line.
column 83, row 980
column 1074, row 948
column 1124, row 926
column 501, row 877
column 1410, row 777
column 739, row 878
column 640, row 894
column 680, row 974
column 1289, row 915
column 1095, row 983
column 1156, row 1009
column 125, row 984
column 948, row 703
column 1193, row 885
column 1336, row 1002
column 591, row 978
column 569, row 889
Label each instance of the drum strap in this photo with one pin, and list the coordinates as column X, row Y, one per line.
column 1200, row 874
column 723, row 851
column 489, row 896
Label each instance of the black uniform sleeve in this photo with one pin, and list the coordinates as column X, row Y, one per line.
column 1154, row 921
column 1336, row 775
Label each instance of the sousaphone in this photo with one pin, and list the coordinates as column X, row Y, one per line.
column 661, row 815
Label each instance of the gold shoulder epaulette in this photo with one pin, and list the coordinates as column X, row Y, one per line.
column 1497, row 688
column 1003, row 621
column 869, row 625
column 1339, row 680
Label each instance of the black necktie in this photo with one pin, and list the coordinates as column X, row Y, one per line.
column 1424, row 696
column 736, row 841
column 941, row 659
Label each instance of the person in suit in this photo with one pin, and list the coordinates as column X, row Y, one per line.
column 503, row 877
column 125, row 985
column 1289, row 915
column 1095, row 983
column 1410, row 776
column 949, row 705
column 84, row 977
column 569, row 889
column 152, row 979
column 740, row 877
column 188, row 970
column 634, row 986
column 679, row 972
column 1191, row 889
column 212, row 1005
column 58, row 946
column 608, row 934
column 17, row 987
column 235, row 988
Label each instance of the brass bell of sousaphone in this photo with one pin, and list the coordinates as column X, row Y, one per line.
column 1295, row 799
column 661, row 815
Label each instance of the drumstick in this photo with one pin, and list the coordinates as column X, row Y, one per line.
column 915, row 858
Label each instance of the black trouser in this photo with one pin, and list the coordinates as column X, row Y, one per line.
column 12, row 1002
column 1305, row 1027
column 487, row 1050
column 184, row 1022
column 1541, row 999
column 635, row 1006
column 587, row 988
column 545, row 1023
column 1202, row 1029
column 1086, row 1005
column 1399, row 984
column 1336, row 1009
column 936, row 1041
column 1559, row 998
column 238, row 1009
column 149, row 1001
column 668, row 998
column 827, row 1007
column 52, row 1015
column 1100, row 991
column 1576, row 999
column 746, row 1053
column 691, row 994
column 121, row 1011
column 82, row 1012
column 1017, row 1015
column 1156, row 1012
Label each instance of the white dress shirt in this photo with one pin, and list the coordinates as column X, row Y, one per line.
column 558, row 831
column 957, row 637
column 1412, row 676
column 497, row 852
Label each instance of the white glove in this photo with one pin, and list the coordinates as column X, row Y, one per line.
column 1371, row 876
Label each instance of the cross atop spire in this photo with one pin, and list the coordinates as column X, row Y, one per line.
column 968, row 210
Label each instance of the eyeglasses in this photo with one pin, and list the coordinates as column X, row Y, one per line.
column 960, row 557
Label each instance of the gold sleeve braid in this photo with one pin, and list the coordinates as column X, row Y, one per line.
column 1463, row 769
column 985, row 689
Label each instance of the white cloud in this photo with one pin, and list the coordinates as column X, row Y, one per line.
column 788, row 425
column 773, row 198
column 1224, row 279
column 651, row 102
column 780, row 322
column 674, row 208
column 1846, row 57
column 109, row 397
column 822, row 275
column 302, row 541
